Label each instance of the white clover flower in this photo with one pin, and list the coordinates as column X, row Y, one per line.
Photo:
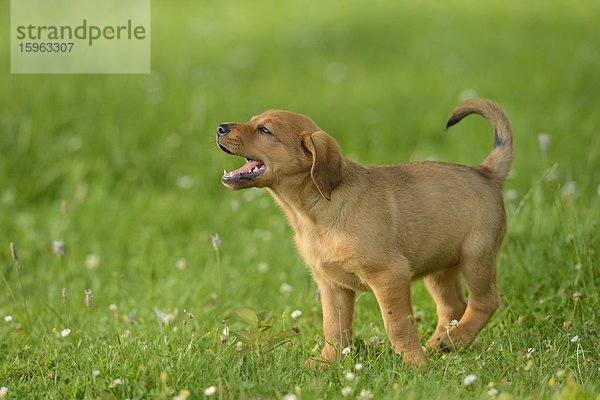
column 544, row 142
column 182, row 395
column 575, row 339
column 290, row 396
column 578, row 267
column 350, row 376
column 209, row 391
column 469, row 380
column 374, row 340
column 365, row 394
column 493, row 392
column 185, row 182
column 3, row 392
column 358, row 366
column 262, row 267
column 92, row 261
column 296, row 314
column 454, row 323
column 346, row 351
column 466, row 94
column 569, row 189
column 286, row 289
column 65, row 332
column 235, row 205
column 512, row 195
column 8, row 318
column 113, row 307
column 181, row 264
column 346, row 391
column 95, row 373
column 117, row 381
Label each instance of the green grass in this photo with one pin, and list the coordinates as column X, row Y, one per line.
column 379, row 77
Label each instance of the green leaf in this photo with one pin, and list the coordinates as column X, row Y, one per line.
column 265, row 317
column 281, row 338
column 247, row 316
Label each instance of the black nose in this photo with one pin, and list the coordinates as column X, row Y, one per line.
column 223, row 129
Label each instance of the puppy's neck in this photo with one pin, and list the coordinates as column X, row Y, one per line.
column 300, row 198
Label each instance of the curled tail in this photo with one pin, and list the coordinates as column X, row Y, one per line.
column 499, row 160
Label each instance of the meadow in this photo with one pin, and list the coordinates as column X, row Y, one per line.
column 139, row 276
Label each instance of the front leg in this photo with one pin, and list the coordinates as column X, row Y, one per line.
column 392, row 290
column 338, row 309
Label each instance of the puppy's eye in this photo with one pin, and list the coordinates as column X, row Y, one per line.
column 263, row 129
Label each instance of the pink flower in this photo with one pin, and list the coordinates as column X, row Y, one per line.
column 216, row 241
column 58, row 247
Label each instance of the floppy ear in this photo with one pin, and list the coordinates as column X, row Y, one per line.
column 326, row 170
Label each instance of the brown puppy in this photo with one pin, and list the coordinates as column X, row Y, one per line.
column 379, row 228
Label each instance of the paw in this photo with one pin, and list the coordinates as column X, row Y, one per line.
column 310, row 363
column 327, row 357
column 415, row 360
column 433, row 342
column 454, row 339
column 319, row 363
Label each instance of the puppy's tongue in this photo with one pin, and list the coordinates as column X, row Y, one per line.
column 250, row 166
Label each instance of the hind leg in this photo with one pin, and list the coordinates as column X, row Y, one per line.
column 447, row 292
column 479, row 274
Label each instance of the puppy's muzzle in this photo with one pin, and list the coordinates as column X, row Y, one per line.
column 222, row 131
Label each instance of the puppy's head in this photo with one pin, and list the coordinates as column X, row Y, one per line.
column 278, row 145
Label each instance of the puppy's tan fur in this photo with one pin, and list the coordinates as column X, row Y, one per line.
column 379, row 228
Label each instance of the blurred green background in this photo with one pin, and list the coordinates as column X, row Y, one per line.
column 380, row 77
column 132, row 157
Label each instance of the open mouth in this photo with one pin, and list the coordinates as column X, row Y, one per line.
column 251, row 170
